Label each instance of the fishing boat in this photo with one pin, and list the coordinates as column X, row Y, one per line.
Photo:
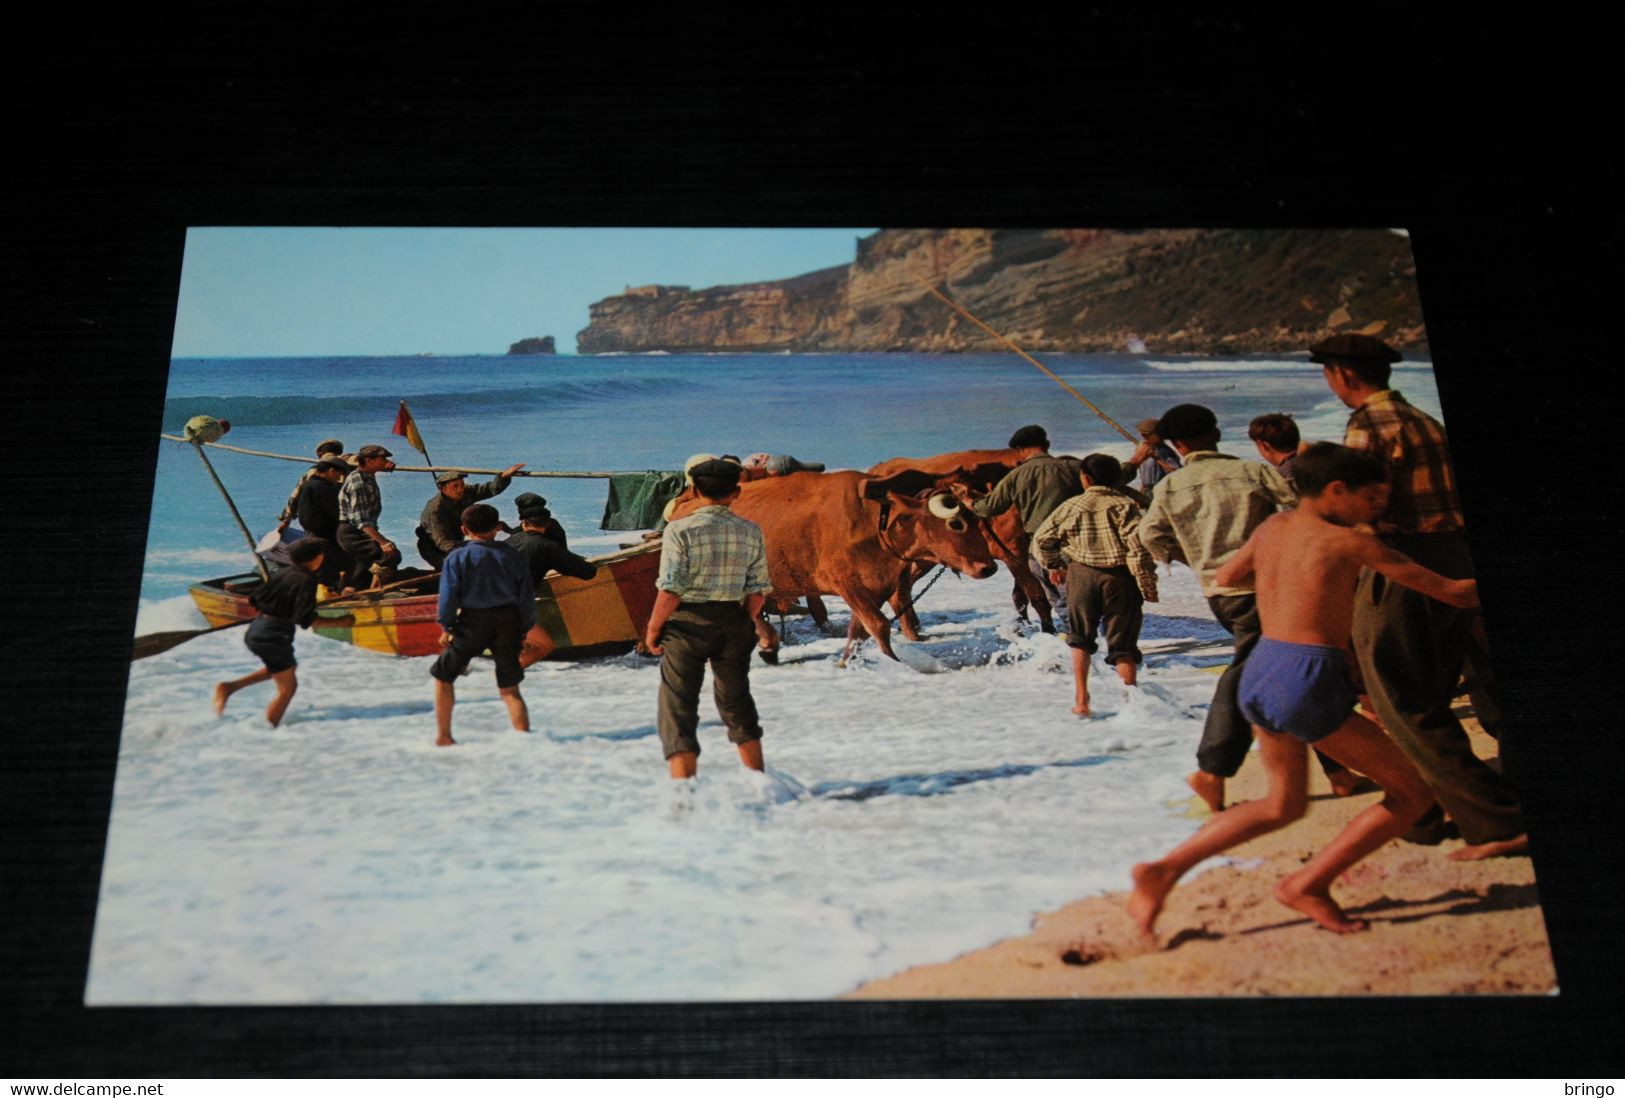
column 602, row 616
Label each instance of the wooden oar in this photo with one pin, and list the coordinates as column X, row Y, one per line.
column 151, row 644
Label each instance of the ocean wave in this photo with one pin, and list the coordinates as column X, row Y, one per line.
column 271, row 411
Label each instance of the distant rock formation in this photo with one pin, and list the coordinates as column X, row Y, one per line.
column 536, row 345
column 1209, row 291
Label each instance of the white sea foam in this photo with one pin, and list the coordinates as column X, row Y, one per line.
column 171, row 558
column 162, row 615
column 905, row 818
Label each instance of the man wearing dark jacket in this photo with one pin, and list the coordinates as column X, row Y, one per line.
column 440, row 526
column 317, row 509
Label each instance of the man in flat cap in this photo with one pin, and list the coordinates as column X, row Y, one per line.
column 1202, row 515
column 543, row 552
column 1413, row 651
column 440, row 527
column 317, row 508
column 713, row 578
column 330, row 449
column 360, row 507
column 1035, row 488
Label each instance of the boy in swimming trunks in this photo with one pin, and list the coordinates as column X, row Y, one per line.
column 287, row 600
column 1296, row 687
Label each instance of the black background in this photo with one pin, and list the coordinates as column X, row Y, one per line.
column 1490, row 143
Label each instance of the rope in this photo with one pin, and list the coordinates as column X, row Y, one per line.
column 1091, row 404
column 409, row 468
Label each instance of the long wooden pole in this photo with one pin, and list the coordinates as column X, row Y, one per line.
column 307, row 460
column 253, row 547
column 956, row 307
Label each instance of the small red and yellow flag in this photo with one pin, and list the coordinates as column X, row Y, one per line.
column 404, row 425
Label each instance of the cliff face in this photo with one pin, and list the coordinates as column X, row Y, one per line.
column 1177, row 290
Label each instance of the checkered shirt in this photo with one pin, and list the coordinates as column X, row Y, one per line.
column 359, row 501
column 1101, row 529
column 713, row 555
column 1411, row 445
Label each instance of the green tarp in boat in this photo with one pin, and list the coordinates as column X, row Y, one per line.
column 636, row 499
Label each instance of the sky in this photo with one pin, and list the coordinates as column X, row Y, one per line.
column 329, row 291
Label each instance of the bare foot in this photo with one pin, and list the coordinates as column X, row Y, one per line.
column 1152, row 883
column 1082, row 709
column 1518, row 844
column 1209, row 787
column 220, row 696
column 445, row 741
column 1320, row 907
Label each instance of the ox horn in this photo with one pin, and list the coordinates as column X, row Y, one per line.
column 943, row 505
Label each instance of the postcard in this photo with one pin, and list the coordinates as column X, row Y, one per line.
column 1040, row 526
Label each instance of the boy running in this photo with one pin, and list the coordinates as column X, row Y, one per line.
column 287, row 600
column 1296, row 687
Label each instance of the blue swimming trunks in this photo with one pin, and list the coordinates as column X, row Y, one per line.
column 1303, row 690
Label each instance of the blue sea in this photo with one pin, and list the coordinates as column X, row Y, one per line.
column 632, row 412
column 904, row 818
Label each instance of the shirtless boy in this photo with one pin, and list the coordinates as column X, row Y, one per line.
column 1296, row 688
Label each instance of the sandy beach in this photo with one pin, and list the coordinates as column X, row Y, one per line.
column 1438, row 927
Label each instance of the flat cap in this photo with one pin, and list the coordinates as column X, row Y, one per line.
column 334, row 464
column 531, row 505
column 1353, row 347
column 716, row 467
column 450, row 475
column 1184, row 421
column 371, row 450
column 1030, row 435
column 330, row 445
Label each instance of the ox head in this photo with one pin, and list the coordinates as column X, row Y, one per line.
column 920, row 519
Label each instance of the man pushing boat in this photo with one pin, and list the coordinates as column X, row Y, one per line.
column 440, row 526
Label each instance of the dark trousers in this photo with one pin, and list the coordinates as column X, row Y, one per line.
column 718, row 633
column 1227, row 735
column 1413, row 652
column 1056, row 593
column 1106, row 599
column 363, row 553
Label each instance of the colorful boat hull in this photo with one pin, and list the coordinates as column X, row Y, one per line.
column 603, row 616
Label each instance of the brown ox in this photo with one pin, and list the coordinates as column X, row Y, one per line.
column 852, row 535
column 978, row 470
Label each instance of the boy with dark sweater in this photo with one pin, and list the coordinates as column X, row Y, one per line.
column 487, row 600
column 286, row 600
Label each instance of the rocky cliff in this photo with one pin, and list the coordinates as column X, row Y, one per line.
column 1175, row 290
column 535, row 345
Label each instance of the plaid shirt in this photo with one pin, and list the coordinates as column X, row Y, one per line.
column 359, row 501
column 1412, row 447
column 713, row 555
column 1101, row 529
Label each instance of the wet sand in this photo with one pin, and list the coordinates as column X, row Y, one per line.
column 1438, row 927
